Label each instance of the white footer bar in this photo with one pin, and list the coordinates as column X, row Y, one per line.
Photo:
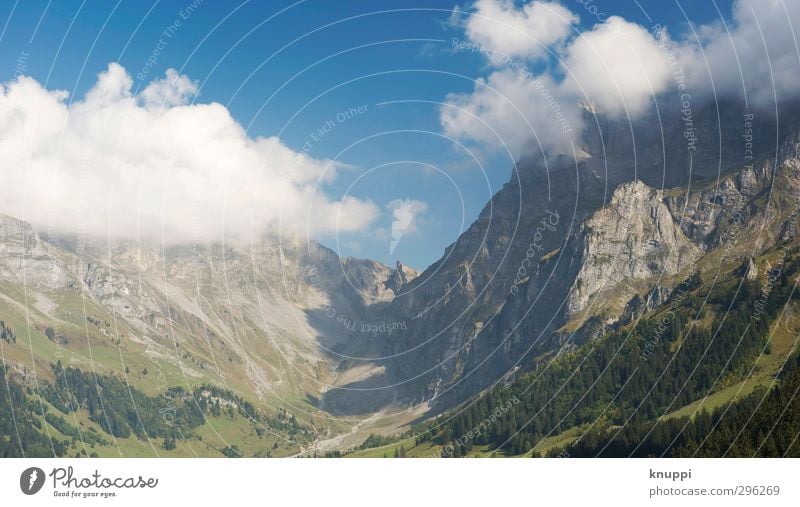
column 400, row 482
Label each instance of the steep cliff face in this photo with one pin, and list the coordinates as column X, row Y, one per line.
column 648, row 235
column 26, row 259
column 634, row 237
column 471, row 314
column 512, row 285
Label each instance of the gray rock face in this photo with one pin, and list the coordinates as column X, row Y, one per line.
column 638, row 305
column 699, row 212
column 374, row 282
column 634, row 237
column 399, row 277
column 26, row 259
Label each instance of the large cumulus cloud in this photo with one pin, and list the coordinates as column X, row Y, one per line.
column 129, row 165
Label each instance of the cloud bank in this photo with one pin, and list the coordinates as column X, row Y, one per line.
column 617, row 67
column 151, row 164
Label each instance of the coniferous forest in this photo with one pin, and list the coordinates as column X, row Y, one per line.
column 618, row 388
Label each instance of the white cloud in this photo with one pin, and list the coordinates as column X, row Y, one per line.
column 123, row 164
column 618, row 66
column 524, row 32
column 515, row 109
column 173, row 90
column 755, row 52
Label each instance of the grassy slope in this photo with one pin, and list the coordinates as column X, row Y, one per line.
column 94, row 347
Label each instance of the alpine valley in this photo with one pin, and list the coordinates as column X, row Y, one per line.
column 636, row 297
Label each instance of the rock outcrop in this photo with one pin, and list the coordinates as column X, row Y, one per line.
column 374, row 282
column 28, row 260
column 634, row 237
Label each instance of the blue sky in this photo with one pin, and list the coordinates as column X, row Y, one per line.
column 396, row 65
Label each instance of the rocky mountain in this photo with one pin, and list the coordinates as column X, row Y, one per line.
column 565, row 251
column 275, row 320
column 633, row 238
column 566, row 246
